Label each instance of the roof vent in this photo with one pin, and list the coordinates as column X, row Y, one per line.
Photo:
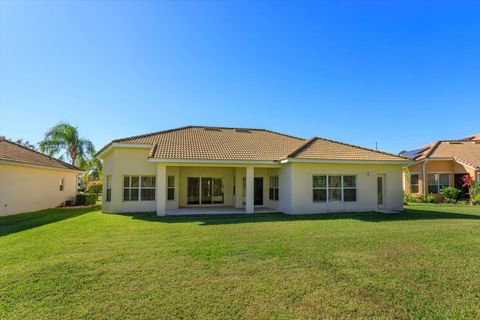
column 212, row 129
column 243, row 130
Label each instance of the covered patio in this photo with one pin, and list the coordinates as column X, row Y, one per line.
column 189, row 188
column 215, row 210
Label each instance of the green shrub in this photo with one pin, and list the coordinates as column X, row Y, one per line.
column 451, row 194
column 416, row 198
column 94, row 186
column 429, row 198
column 86, row 199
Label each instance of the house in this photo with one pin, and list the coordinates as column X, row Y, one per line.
column 441, row 164
column 227, row 170
column 31, row 181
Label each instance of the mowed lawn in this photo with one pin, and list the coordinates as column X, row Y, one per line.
column 80, row 263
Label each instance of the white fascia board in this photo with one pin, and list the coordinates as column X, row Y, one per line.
column 124, row 145
column 345, row 161
column 213, row 161
column 36, row 166
column 465, row 164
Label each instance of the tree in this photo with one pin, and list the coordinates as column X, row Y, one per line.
column 93, row 170
column 22, row 142
column 64, row 140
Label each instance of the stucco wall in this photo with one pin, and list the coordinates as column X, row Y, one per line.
column 122, row 161
column 295, row 184
column 24, row 189
column 437, row 166
column 297, row 178
column 125, row 162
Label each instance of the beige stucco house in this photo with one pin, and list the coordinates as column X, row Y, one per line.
column 441, row 164
column 224, row 170
column 31, row 181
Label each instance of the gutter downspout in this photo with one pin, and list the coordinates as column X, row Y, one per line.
column 424, row 178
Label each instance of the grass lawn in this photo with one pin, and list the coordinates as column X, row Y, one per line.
column 80, row 263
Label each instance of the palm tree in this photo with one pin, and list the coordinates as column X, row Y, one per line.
column 93, row 170
column 63, row 139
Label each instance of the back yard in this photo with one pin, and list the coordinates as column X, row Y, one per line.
column 71, row 263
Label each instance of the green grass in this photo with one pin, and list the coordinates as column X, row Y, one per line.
column 80, row 263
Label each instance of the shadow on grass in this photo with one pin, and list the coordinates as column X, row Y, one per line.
column 408, row 214
column 25, row 221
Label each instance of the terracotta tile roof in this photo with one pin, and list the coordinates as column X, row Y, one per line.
column 13, row 152
column 215, row 143
column 467, row 152
column 324, row 149
column 220, row 143
column 475, row 136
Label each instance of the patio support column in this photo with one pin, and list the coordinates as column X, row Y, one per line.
column 161, row 193
column 239, row 187
column 249, row 206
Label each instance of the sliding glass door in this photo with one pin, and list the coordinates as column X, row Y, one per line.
column 193, row 191
column 205, row 190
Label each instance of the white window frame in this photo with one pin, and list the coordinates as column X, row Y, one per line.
column 108, row 188
column 61, row 186
column 417, row 184
column 275, row 186
column 139, row 188
column 437, row 180
column 349, row 188
column 171, row 188
column 342, row 188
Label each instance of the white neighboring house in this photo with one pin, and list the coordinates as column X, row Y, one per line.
column 31, row 181
column 195, row 170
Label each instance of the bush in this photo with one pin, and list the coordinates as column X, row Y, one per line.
column 94, row 186
column 413, row 197
column 451, row 194
column 86, row 199
column 429, row 198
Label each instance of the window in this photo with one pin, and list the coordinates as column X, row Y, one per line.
column 171, row 188
column 334, row 188
column 414, row 183
column 438, row 181
column 60, row 186
column 138, row 188
column 273, row 188
column 349, row 188
column 319, row 188
column 147, row 190
column 108, row 197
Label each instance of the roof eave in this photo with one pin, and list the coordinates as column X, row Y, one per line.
column 112, row 145
column 292, row 160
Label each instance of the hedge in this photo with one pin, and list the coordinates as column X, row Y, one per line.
column 85, row 199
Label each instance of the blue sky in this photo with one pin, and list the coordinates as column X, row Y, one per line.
column 400, row 73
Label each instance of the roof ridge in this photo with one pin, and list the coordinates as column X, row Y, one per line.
column 433, row 146
column 363, row 148
column 40, row 153
column 301, row 147
column 187, row 127
column 464, row 162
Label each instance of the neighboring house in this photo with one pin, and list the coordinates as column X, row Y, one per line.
column 31, row 181
column 246, row 170
column 441, row 164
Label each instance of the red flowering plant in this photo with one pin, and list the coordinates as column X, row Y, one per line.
column 473, row 188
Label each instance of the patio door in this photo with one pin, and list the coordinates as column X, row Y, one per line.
column 205, row 190
column 258, row 191
column 381, row 191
